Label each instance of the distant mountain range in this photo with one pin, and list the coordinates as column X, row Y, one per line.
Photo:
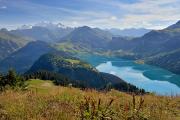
column 157, row 47
column 131, row 32
column 9, row 43
column 43, row 31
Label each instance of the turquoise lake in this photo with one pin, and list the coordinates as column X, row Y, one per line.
column 150, row 78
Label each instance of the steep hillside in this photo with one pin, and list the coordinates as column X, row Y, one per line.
column 169, row 61
column 10, row 43
column 158, row 41
column 161, row 48
column 22, row 59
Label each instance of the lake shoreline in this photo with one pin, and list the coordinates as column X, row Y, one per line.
column 152, row 78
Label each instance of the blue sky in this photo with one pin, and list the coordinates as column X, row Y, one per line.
column 155, row 14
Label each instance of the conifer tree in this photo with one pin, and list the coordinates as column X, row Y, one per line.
column 11, row 77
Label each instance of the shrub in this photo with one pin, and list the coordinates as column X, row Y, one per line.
column 90, row 109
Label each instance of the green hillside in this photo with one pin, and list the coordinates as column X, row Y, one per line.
column 69, row 70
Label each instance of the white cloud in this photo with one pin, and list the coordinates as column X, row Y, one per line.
column 113, row 18
column 155, row 14
column 3, row 7
column 151, row 13
column 75, row 23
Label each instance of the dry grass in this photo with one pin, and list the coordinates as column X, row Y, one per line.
column 62, row 103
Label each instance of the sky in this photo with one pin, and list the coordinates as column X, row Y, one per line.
column 153, row 14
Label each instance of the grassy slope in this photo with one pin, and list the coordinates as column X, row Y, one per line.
column 71, row 48
column 44, row 101
column 41, row 86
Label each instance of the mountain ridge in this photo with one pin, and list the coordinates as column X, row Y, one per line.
column 22, row 59
column 9, row 43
